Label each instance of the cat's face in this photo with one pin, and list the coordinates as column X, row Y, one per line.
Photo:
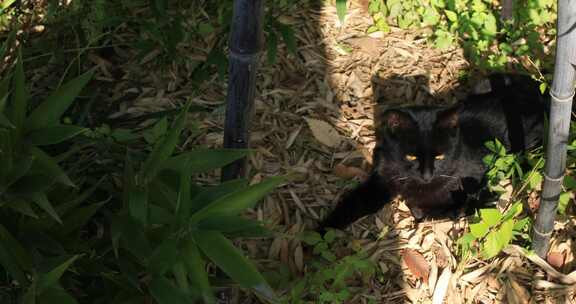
column 418, row 145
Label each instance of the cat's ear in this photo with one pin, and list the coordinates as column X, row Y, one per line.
column 395, row 120
column 448, row 119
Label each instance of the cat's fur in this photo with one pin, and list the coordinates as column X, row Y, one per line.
column 432, row 156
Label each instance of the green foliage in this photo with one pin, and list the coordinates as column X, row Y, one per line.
column 493, row 231
column 489, row 42
column 328, row 280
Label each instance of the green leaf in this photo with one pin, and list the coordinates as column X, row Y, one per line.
column 452, row 16
column 48, row 113
column 53, row 135
column 490, row 216
column 132, row 234
column 228, row 258
column 138, row 204
column 164, row 148
column 479, row 230
column 288, row 36
column 56, row 295
column 543, row 86
column 234, row 226
column 311, row 237
column 49, row 167
column 272, row 47
column 20, row 100
column 20, row 254
column 569, row 183
column 491, row 245
column 10, row 263
column 165, row 293
column 164, row 257
column 235, row 202
column 197, row 271
column 505, row 233
column 341, row 10
column 79, row 217
column 208, row 195
column 51, row 278
column 22, row 207
column 204, row 160
column 563, row 201
column 41, row 200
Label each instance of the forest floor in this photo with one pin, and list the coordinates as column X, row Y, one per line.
column 314, row 119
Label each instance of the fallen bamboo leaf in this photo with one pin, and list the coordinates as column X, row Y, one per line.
column 347, row 172
column 324, row 132
column 441, row 286
column 416, row 263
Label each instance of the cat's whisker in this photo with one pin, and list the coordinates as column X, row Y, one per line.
column 449, row 176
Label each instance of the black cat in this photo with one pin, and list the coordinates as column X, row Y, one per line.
column 432, row 156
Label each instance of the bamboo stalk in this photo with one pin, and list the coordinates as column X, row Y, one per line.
column 245, row 44
column 561, row 94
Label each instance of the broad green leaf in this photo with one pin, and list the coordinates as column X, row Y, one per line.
column 310, row 237
column 164, row 148
column 56, row 295
column 490, row 216
column 228, row 258
column 132, row 235
column 79, row 217
column 197, row 271
column 204, row 160
column 21, row 167
column 53, row 135
column 48, row 113
column 491, row 245
column 452, row 16
column 505, row 233
column 234, row 226
column 10, row 263
column 519, row 225
column 181, row 277
column 563, row 201
column 271, row 47
column 513, row 211
column 50, row 167
column 208, row 195
column 138, row 204
column 235, row 202
column 288, row 36
column 20, row 100
column 165, row 293
column 50, row 279
column 164, row 257
column 479, row 230
column 20, row 254
column 535, row 180
column 41, row 200
column 341, row 9
column 22, row 207
column 569, row 183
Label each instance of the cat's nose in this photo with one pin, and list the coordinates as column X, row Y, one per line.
column 427, row 176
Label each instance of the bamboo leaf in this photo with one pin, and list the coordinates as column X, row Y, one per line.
column 234, row 226
column 41, row 200
column 10, row 264
column 341, row 10
column 164, row 148
column 288, row 36
column 197, row 271
column 49, row 112
column 56, row 295
column 208, row 195
column 79, row 217
column 235, row 202
column 203, row 160
column 14, row 247
column 51, row 278
column 138, row 204
column 20, row 100
column 164, row 257
column 50, row 167
column 228, row 258
column 53, row 135
column 165, row 293
column 132, row 234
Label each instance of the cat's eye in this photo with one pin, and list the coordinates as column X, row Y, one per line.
column 439, row 157
column 411, row 157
